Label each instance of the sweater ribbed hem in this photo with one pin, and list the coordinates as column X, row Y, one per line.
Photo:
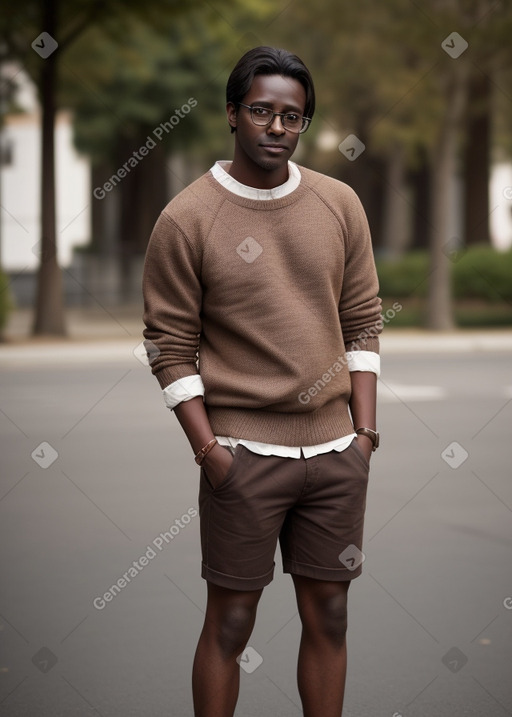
column 285, row 429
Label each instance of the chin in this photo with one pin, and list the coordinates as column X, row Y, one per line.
column 270, row 165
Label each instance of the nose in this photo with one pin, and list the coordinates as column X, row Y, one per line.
column 276, row 126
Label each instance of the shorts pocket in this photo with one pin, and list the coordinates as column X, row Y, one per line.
column 229, row 475
column 360, row 454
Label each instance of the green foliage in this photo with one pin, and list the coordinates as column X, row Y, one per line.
column 125, row 66
column 121, row 91
column 379, row 68
column 468, row 314
column 483, row 273
column 480, row 273
column 404, row 277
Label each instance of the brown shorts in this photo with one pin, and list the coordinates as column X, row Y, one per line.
column 314, row 506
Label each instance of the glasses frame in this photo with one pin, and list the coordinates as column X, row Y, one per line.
column 277, row 114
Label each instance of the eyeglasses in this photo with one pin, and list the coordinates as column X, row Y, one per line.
column 291, row 121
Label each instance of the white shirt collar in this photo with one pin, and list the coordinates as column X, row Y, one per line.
column 219, row 171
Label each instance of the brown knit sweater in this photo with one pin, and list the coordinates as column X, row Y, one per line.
column 268, row 295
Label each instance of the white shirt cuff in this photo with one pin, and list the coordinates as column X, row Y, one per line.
column 183, row 390
column 363, row 361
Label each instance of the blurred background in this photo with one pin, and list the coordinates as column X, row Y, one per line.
column 424, row 89
column 107, row 110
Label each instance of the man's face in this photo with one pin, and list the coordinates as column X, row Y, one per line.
column 267, row 147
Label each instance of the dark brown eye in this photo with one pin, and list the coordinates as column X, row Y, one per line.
column 261, row 111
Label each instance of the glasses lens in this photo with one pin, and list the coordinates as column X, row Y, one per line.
column 304, row 124
column 261, row 115
column 292, row 122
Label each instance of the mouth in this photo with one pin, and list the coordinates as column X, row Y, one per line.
column 274, row 148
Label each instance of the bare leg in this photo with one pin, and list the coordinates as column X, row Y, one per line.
column 229, row 620
column 322, row 660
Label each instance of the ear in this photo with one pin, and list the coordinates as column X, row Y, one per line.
column 231, row 112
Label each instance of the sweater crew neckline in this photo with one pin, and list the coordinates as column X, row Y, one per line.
column 220, row 171
column 260, row 204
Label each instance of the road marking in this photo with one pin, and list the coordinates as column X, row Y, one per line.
column 396, row 392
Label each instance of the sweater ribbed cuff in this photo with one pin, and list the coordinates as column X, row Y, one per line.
column 169, row 374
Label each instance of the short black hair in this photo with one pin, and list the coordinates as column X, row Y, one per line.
column 269, row 61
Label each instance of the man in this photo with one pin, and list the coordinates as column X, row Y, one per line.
column 263, row 271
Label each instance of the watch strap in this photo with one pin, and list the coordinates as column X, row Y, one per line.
column 201, row 455
column 371, row 434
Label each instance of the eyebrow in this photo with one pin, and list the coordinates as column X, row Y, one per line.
column 287, row 108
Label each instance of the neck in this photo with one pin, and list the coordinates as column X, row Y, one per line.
column 254, row 176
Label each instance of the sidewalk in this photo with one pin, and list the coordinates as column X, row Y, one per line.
column 116, row 334
column 83, row 324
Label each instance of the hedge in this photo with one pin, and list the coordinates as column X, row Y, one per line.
column 479, row 272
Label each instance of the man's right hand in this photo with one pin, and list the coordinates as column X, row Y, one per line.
column 216, row 464
column 194, row 421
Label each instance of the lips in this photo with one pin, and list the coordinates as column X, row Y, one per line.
column 277, row 148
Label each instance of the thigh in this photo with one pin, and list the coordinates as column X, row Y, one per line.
column 315, row 596
column 241, row 519
column 323, row 535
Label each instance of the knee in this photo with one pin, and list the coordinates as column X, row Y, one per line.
column 336, row 618
column 330, row 622
column 235, row 628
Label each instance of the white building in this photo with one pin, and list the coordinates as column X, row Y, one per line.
column 21, row 187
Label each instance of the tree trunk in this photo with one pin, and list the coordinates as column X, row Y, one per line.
column 439, row 300
column 128, row 219
column 49, row 309
column 102, row 235
column 365, row 176
column 477, row 160
column 395, row 212
column 144, row 194
column 421, row 187
column 153, row 194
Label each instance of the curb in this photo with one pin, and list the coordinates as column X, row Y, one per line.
column 76, row 350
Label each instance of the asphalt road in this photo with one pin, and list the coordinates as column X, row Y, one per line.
column 95, row 470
